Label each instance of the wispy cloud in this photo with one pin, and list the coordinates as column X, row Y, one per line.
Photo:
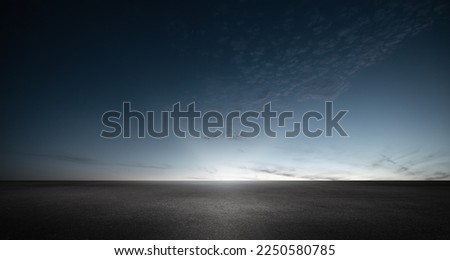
column 310, row 54
column 415, row 164
column 438, row 176
column 92, row 161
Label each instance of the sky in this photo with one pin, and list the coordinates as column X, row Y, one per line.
column 65, row 64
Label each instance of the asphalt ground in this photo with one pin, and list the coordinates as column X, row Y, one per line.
column 225, row 210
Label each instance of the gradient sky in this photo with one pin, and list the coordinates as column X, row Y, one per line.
column 65, row 64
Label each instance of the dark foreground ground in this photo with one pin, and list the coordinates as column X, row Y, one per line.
column 225, row 210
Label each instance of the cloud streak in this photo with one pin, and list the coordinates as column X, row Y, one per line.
column 92, row 161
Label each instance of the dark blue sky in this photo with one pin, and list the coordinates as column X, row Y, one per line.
column 65, row 64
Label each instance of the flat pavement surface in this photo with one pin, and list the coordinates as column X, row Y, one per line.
column 225, row 210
